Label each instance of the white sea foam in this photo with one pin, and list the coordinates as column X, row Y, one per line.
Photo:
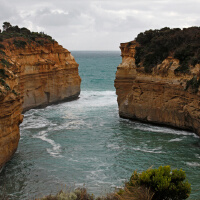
column 93, row 99
column 75, row 124
column 142, row 148
column 71, row 125
column 176, row 140
column 113, row 146
column 197, row 156
column 193, row 164
column 34, row 122
column 55, row 150
column 158, row 129
column 96, row 175
column 146, row 150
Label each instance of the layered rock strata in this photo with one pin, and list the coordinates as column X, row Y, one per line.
column 35, row 76
column 10, row 112
column 161, row 97
column 48, row 74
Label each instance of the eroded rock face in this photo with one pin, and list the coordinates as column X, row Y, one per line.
column 160, row 97
column 36, row 76
column 48, row 74
column 10, row 112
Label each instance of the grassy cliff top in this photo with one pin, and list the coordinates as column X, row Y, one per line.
column 21, row 36
column 157, row 45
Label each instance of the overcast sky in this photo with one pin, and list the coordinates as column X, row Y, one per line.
column 98, row 25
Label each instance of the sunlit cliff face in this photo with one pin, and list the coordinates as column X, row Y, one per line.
column 160, row 97
column 36, row 76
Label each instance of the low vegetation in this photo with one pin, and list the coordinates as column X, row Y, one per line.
column 77, row 194
column 5, row 63
column 152, row 184
column 22, row 36
column 163, row 182
column 194, row 84
column 19, row 43
column 157, row 45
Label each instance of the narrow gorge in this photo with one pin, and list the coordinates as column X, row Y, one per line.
column 159, row 77
column 35, row 71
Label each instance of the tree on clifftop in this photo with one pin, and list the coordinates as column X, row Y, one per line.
column 6, row 25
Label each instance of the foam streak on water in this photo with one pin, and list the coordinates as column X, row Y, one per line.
column 85, row 142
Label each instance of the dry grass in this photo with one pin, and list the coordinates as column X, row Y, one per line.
column 135, row 193
column 77, row 194
column 128, row 193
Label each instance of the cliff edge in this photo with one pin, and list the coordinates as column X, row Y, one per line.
column 159, row 77
column 35, row 71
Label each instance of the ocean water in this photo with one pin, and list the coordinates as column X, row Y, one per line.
column 85, row 143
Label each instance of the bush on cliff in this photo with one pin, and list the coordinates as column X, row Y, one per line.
column 164, row 183
column 5, row 63
column 17, row 34
column 157, row 45
column 19, row 43
column 77, row 194
column 194, row 84
column 152, row 184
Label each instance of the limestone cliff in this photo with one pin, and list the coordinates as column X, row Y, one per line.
column 161, row 96
column 48, row 74
column 10, row 110
column 35, row 71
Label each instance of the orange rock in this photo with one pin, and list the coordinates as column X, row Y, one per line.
column 159, row 97
column 39, row 76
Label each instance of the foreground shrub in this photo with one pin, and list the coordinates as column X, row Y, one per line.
column 78, row 194
column 152, row 184
column 164, row 183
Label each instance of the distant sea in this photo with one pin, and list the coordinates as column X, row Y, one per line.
column 85, row 143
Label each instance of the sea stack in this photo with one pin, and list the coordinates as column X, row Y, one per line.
column 159, row 77
column 35, row 71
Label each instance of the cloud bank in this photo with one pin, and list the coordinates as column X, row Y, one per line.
column 98, row 25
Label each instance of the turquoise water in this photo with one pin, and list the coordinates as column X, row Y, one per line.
column 85, row 143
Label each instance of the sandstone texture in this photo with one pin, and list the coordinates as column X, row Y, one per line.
column 161, row 97
column 10, row 112
column 31, row 77
column 48, row 74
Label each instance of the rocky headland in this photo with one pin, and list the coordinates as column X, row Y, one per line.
column 35, row 71
column 159, row 77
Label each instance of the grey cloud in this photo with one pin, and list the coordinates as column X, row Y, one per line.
column 95, row 24
column 6, row 12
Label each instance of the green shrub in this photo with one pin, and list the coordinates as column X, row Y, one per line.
column 157, row 45
column 2, row 52
column 19, row 43
column 164, row 183
column 78, row 194
column 2, row 81
column 2, row 46
column 14, row 92
column 41, row 42
column 194, row 60
column 17, row 33
column 6, row 86
column 5, row 63
column 152, row 184
column 183, row 68
column 194, row 84
column 3, row 74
